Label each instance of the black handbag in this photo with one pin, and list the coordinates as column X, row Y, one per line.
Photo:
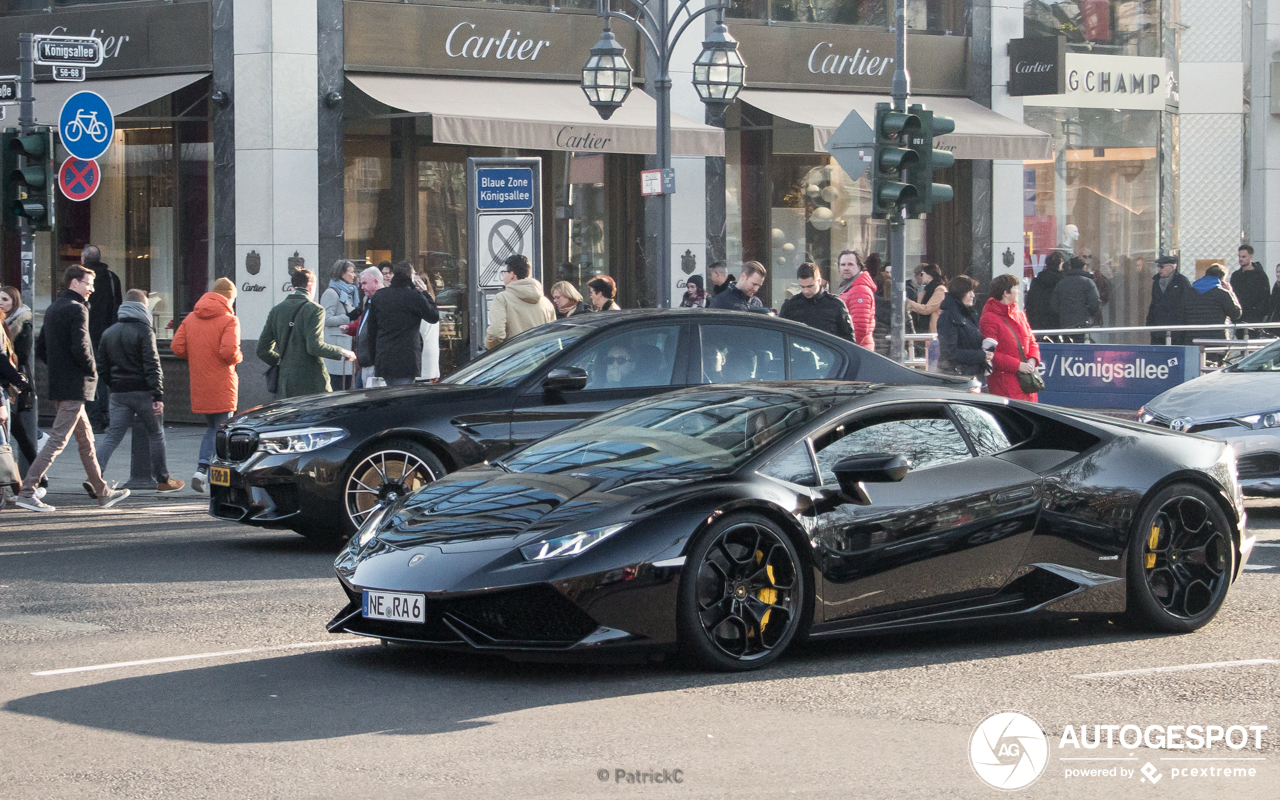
column 1028, row 382
column 273, row 372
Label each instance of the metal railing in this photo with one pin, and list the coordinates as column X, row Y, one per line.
column 1214, row 353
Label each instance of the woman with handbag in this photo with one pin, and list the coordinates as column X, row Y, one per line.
column 17, row 325
column 1013, row 366
column 12, row 384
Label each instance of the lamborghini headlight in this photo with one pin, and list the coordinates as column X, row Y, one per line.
column 570, row 545
column 302, row 440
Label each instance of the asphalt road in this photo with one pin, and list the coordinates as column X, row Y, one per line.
column 262, row 710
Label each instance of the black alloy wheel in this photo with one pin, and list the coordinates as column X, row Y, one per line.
column 742, row 595
column 385, row 473
column 1181, row 561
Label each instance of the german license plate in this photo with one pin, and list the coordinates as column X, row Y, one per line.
column 220, row 476
column 394, row 606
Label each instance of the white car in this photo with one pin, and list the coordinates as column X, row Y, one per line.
column 1240, row 405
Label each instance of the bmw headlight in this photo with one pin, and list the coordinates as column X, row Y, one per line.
column 370, row 527
column 302, row 440
column 571, row 545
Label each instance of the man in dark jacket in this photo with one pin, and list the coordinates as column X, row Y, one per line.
column 1250, row 285
column 129, row 362
column 720, row 278
column 816, row 307
column 395, row 322
column 1075, row 299
column 63, row 344
column 1039, row 303
column 107, row 297
column 741, row 296
column 1168, row 290
column 1210, row 302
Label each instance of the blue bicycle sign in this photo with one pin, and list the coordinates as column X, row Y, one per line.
column 86, row 125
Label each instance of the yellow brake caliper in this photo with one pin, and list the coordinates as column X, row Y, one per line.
column 767, row 596
column 1153, row 541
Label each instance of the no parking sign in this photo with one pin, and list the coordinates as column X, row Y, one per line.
column 79, row 179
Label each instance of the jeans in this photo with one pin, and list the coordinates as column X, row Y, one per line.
column 212, row 422
column 70, row 420
column 124, row 405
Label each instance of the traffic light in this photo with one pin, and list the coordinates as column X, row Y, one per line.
column 888, row 192
column 929, row 161
column 29, row 185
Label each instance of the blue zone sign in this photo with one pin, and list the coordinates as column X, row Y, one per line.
column 504, row 189
column 1113, row 376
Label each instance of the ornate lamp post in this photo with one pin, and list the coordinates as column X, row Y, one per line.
column 718, row 75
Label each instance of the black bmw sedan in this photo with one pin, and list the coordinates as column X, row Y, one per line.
column 322, row 465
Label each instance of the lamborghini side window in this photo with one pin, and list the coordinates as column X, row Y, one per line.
column 793, row 466
column 925, row 436
column 983, row 428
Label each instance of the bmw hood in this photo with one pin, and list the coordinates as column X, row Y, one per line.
column 1220, row 395
column 321, row 408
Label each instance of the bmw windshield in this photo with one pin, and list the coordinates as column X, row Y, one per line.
column 508, row 365
column 673, row 434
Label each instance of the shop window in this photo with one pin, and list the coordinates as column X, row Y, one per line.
column 1116, row 27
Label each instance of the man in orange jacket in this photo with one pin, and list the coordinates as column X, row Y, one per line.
column 860, row 299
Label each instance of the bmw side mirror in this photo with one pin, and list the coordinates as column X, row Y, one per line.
column 565, row 379
column 854, row 471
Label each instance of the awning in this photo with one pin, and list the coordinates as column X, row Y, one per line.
column 533, row 115
column 122, row 94
column 980, row 132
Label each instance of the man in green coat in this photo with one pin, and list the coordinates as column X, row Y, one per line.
column 302, row 370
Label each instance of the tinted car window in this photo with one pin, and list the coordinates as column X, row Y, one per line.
column 736, row 353
column 926, row 438
column 517, row 358
column 631, row 359
column 793, row 466
column 811, row 361
column 983, row 428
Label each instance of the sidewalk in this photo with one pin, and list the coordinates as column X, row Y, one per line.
column 182, row 446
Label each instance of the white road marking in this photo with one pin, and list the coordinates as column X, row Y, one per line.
column 221, row 654
column 1251, row 662
column 1266, row 544
column 1257, row 567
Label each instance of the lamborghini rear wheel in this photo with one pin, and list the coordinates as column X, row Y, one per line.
column 742, row 594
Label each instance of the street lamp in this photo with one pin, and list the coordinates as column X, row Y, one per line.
column 718, row 75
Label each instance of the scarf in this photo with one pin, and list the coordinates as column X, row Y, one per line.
column 347, row 293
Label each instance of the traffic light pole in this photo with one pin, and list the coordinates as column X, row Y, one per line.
column 897, row 230
column 26, row 126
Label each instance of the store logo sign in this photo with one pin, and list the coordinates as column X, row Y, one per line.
column 462, row 43
column 572, row 138
column 1099, row 81
column 1037, row 66
column 823, row 60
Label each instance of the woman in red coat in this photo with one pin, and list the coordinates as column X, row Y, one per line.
column 1002, row 320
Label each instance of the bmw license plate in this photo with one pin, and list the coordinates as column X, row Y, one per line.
column 395, row 607
column 220, row 476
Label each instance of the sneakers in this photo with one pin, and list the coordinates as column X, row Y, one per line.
column 34, row 504
column 88, row 487
column 200, row 481
column 171, row 485
column 41, row 492
column 112, row 496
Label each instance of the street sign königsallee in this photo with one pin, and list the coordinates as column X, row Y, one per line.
column 83, row 51
column 853, row 145
column 8, row 90
column 504, row 188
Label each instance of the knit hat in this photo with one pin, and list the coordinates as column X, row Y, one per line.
column 225, row 288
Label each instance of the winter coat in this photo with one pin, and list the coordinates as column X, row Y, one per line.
column 104, row 303
column 822, row 311
column 1040, row 310
column 516, row 309
column 10, row 377
column 860, row 299
column 1166, row 305
column 734, row 299
column 930, row 296
column 1252, row 289
column 337, row 312
column 959, row 340
column 127, row 357
column 580, row 308
column 209, row 339
column 64, row 345
column 1075, row 299
column 1275, row 301
column 302, row 371
column 1003, row 380
column 1210, row 302
column 19, row 325
column 716, row 291
column 394, row 331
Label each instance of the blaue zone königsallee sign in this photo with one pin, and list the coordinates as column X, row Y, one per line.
column 1113, row 376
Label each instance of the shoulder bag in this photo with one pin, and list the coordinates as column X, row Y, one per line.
column 273, row 372
column 1028, row 382
column 9, row 474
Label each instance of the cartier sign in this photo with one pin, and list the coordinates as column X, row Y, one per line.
column 478, row 42
column 1037, row 66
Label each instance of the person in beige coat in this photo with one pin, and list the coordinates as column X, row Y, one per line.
column 518, row 307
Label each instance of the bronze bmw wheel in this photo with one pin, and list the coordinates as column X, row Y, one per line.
column 391, row 470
